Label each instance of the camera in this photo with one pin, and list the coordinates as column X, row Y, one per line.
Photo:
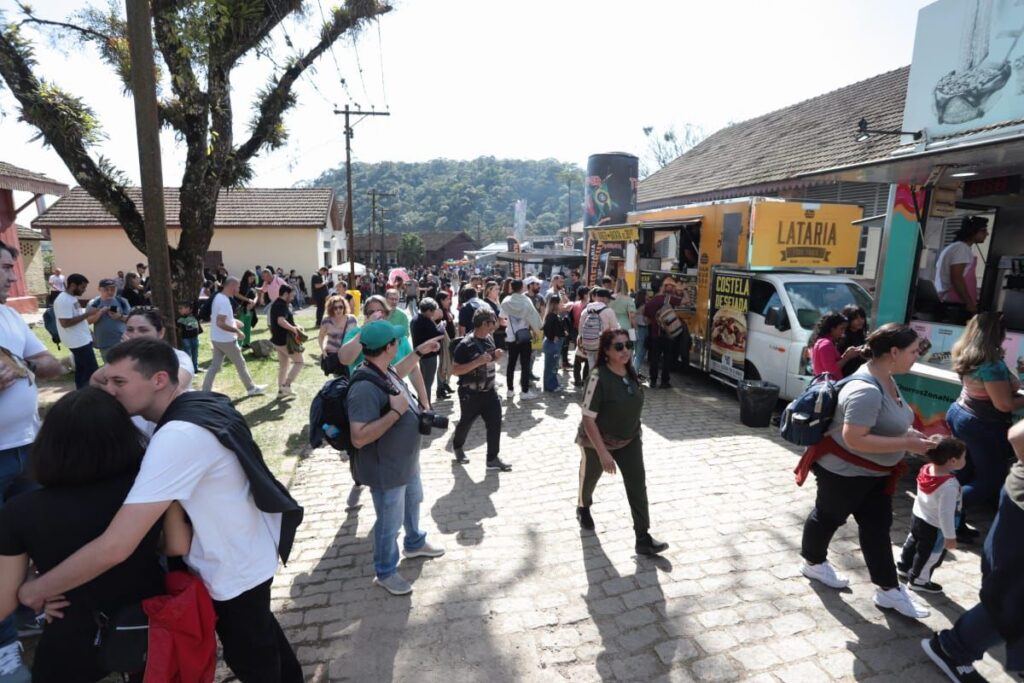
column 431, row 420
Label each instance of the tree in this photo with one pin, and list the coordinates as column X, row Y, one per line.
column 667, row 146
column 410, row 250
column 199, row 43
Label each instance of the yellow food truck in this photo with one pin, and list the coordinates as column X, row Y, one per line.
column 756, row 275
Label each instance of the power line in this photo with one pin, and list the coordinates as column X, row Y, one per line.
column 362, row 81
column 380, row 59
column 334, row 57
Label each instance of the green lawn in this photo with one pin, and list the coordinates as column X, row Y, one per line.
column 280, row 426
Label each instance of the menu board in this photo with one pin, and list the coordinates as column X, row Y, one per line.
column 727, row 333
column 940, row 339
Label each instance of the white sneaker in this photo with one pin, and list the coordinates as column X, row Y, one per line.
column 285, row 391
column 257, row 390
column 394, row 584
column 899, row 599
column 529, row 395
column 12, row 670
column 426, row 550
column 825, row 573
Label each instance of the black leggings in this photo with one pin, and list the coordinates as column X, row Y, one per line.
column 524, row 353
column 863, row 497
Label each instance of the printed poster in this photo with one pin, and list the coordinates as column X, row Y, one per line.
column 727, row 333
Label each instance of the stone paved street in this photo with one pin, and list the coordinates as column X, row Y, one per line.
column 523, row 595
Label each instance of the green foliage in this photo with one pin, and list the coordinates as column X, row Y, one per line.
column 411, row 249
column 447, row 195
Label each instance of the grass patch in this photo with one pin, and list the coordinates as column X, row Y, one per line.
column 279, row 426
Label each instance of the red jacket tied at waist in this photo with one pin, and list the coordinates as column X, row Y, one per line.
column 182, row 644
column 829, row 445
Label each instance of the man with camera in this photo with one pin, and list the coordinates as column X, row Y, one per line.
column 474, row 361
column 385, row 425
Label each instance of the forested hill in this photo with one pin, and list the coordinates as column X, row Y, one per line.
column 463, row 195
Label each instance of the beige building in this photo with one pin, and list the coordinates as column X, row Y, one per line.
column 30, row 244
column 291, row 228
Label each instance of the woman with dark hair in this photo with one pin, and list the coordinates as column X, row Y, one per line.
column 825, row 356
column 133, row 291
column 424, row 327
column 609, row 436
column 854, row 337
column 982, row 415
column 956, row 279
column 858, row 464
column 554, row 336
column 444, row 368
column 246, row 299
column 86, row 458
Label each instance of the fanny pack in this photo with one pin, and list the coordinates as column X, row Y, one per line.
column 122, row 639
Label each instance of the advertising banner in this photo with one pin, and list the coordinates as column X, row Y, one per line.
column 727, row 331
column 616, row 234
column 791, row 235
column 968, row 67
column 517, row 265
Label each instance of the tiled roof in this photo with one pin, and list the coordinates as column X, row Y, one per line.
column 29, row 234
column 256, row 207
column 815, row 134
column 432, row 241
column 15, row 178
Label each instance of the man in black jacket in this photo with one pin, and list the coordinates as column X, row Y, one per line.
column 203, row 456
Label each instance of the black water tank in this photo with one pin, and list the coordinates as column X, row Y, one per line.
column 611, row 188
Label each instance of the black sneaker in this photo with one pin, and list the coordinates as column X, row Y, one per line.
column 925, row 587
column 647, row 545
column 498, row 465
column 960, row 673
column 584, row 518
column 460, row 456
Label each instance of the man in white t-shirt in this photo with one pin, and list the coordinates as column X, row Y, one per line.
column 21, row 355
column 234, row 544
column 224, row 335
column 956, row 279
column 56, row 281
column 73, row 327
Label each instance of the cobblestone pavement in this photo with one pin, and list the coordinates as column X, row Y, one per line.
column 523, row 595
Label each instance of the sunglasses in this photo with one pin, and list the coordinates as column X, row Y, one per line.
column 619, row 346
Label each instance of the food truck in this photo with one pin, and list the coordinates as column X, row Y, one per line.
column 962, row 154
column 756, row 275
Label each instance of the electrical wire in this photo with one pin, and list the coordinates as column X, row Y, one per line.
column 362, row 81
column 380, row 59
column 334, row 58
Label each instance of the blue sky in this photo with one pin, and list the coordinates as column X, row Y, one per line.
column 526, row 79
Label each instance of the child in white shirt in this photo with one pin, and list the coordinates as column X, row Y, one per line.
column 936, row 512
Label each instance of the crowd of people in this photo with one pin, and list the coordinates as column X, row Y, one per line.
column 401, row 339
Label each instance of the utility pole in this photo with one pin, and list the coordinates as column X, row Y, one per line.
column 382, row 253
column 349, row 231
column 147, row 133
column 374, row 193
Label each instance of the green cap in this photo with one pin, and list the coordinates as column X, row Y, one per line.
column 380, row 333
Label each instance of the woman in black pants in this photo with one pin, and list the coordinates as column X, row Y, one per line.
column 858, row 464
column 424, row 327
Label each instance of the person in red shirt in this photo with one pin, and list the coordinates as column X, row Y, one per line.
column 825, row 356
column 661, row 346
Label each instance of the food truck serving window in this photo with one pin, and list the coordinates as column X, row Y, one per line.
column 811, row 300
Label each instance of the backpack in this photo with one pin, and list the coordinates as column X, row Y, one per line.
column 590, row 328
column 806, row 419
column 50, row 323
column 328, row 413
column 668, row 321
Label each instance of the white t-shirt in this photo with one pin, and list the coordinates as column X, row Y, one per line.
column 185, row 363
column 57, row 282
column 65, row 307
column 234, row 544
column 19, row 403
column 221, row 306
column 957, row 253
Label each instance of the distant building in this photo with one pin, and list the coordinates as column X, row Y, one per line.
column 28, row 267
column 438, row 247
column 291, row 228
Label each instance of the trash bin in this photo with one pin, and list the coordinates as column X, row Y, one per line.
column 757, row 401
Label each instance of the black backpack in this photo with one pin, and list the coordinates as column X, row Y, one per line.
column 806, row 419
column 50, row 323
column 328, row 413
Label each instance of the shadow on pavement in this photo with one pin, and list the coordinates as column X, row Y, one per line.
column 462, row 510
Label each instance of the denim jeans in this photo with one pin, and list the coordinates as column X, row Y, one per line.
column 990, row 453
column 13, row 466
column 640, row 350
column 552, row 362
column 396, row 507
column 191, row 347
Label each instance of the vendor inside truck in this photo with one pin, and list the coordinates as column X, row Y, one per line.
column 956, row 280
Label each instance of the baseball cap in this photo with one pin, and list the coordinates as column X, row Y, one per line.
column 380, row 333
column 107, row 282
column 531, row 281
